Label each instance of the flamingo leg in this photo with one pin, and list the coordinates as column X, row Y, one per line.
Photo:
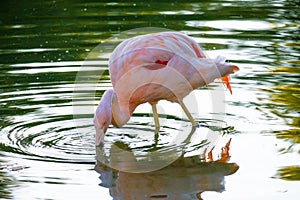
column 156, row 122
column 155, row 115
column 187, row 112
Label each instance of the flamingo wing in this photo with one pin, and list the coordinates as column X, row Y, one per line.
column 152, row 51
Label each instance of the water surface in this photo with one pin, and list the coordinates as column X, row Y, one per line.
column 44, row 153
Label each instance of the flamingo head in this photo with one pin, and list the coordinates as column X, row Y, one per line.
column 103, row 116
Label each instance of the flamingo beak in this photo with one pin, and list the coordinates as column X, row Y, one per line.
column 99, row 137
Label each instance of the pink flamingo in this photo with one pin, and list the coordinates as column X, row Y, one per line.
column 152, row 67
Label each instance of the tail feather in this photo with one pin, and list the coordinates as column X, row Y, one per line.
column 226, row 69
column 225, row 81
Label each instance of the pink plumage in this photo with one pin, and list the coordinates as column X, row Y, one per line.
column 152, row 67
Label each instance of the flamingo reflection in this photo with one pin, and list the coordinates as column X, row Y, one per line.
column 186, row 178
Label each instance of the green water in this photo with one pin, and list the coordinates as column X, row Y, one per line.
column 43, row 45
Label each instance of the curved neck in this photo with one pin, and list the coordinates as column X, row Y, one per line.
column 121, row 113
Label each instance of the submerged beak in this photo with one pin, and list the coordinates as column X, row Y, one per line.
column 99, row 137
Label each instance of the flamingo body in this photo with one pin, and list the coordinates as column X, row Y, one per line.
column 144, row 64
column 152, row 67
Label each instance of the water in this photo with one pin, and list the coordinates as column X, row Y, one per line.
column 44, row 154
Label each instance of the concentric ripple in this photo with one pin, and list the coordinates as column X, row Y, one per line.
column 37, row 123
column 139, row 147
column 54, row 140
column 60, row 139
